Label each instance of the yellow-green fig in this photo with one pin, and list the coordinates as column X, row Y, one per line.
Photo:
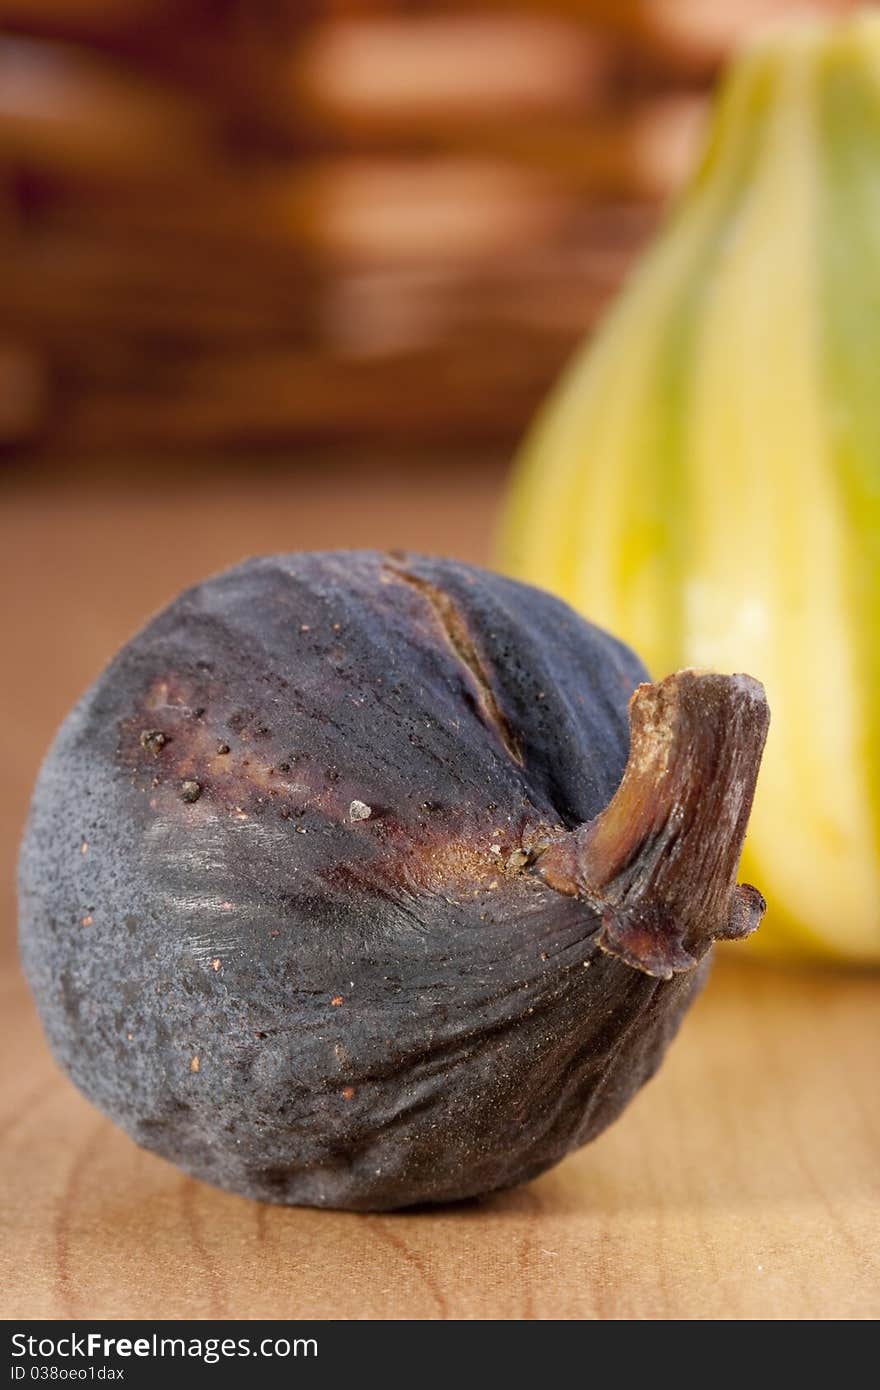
column 705, row 481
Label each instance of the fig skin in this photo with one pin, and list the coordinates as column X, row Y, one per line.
column 311, row 901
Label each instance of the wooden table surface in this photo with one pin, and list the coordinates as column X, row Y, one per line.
column 742, row 1183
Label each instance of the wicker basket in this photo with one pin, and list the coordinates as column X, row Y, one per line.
column 232, row 224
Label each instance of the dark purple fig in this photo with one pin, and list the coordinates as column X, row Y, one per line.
column 332, row 892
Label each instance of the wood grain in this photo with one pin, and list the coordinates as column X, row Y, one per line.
column 742, row 1183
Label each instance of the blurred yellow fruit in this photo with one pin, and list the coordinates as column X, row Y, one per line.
column 705, row 481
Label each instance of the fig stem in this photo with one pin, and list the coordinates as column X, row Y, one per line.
column 659, row 864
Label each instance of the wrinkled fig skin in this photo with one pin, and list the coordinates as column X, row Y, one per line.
column 310, row 1001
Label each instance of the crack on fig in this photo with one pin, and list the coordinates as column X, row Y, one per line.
column 454, row 627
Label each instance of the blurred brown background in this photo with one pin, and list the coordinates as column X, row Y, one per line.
column 230, row 223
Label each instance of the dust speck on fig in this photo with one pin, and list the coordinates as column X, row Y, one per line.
column 153, row 740
column 348, row 1093
column 359, row 810
column 519, row 859
column 190, row 790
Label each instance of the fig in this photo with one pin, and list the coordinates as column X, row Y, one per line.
column 352, row 883
column 671, row 439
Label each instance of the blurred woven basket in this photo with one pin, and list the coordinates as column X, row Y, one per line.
column 241, row 222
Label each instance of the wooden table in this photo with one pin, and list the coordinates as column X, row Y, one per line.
column 743, row 1183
